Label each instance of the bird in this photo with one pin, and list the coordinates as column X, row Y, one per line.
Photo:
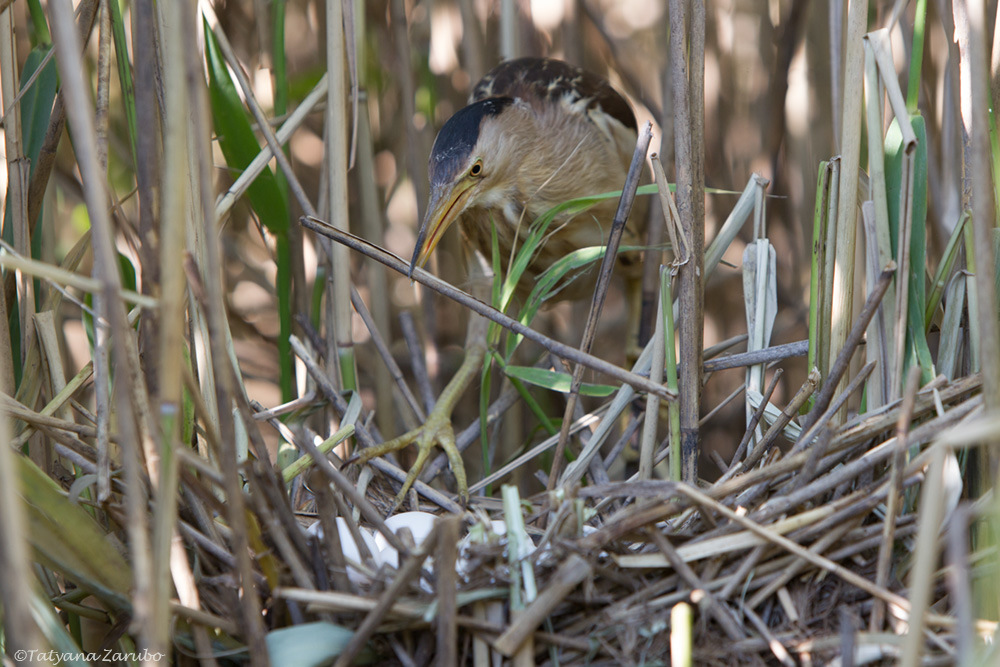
column 536, row 133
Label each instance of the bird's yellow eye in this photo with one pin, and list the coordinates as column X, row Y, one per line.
column 476, row 169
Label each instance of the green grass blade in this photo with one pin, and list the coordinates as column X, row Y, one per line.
column 995, row 155
column 670, row 374
column 36, row 101
column 916, row 57
column 279, row 60
column 817, row 262
column 485, row 380
column 555, row 381
column 951, row 339
column 128, row 277
column 973, row 304
column 945, row 266
column 39, row 26
column 124, row 73
column 546, row 287
column 917, row 350
column 556, row 278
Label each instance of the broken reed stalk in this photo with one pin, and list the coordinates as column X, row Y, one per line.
column 983, row 221
column 763, row 356
column 168, row 332
column 447, row 588
column 975, row 111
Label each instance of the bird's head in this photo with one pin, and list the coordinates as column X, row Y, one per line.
column 466, row 168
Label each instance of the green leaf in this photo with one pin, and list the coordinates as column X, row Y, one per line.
column 555, row 381
column 944, row 269
column 917, row 350
column 553, row 280
column 238, row 142
column 127, row 273
column 67, row 539
column 36, row 102
column 124, row 74
column 307, row 645
column 39, row 28
column 816, row 358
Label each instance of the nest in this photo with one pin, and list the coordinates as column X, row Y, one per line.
column 804, row 557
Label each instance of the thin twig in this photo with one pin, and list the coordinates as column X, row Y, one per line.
column 425, row 278
column 895, row 491
column 386, row 355
column 755, row 418
column 764, row 356
column 601, row 290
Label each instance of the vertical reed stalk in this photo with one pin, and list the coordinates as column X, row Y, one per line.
column 847, row 208
column 17, row 171
column 336, row 171
column 687, row 59
column 132, row 412
column 171, row 321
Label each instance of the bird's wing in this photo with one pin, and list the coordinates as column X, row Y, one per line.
column 557, row 82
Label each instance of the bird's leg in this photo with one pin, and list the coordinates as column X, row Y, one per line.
column 437, row 428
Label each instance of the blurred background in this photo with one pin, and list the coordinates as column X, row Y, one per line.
column 771, row 108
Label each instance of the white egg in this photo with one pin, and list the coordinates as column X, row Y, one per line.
column 352, row 554
column 419, row 524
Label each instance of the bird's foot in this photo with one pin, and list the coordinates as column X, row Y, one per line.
column 436, row 430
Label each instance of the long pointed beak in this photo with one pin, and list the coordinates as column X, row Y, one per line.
column 443, row 209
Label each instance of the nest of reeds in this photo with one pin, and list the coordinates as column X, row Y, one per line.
column 800, row 556
column 150, row 511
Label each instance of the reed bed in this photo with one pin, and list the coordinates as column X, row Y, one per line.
column 208, row 316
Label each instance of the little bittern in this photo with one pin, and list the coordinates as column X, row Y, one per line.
column 536, row 133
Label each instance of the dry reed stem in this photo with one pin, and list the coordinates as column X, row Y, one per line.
column 850, row 150
column 687, row 53
column 423, row 277
column 601, row 291
column 570, row 573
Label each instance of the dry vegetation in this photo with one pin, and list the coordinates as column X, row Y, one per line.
column 191, row 356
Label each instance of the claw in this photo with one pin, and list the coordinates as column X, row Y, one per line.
column 436, row 430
